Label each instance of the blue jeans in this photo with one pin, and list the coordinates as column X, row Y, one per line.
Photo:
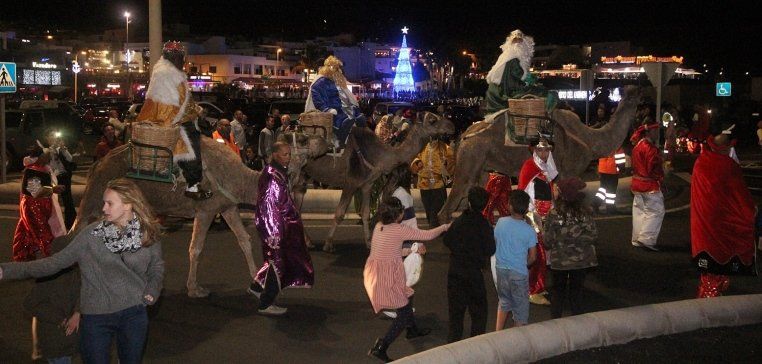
column 513, row 294
column 130, row 326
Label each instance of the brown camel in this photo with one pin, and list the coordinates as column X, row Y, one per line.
column 230, row 181
column 482, row 148
column 354, row 171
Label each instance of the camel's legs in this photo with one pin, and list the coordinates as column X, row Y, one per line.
column 233, row 218
column 200, row 228
column 299, row 193
column 463, row 181
column 365, row 212
column 338, row 217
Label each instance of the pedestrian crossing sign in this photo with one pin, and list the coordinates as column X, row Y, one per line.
column 7, row 77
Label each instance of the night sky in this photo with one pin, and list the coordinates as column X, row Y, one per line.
column 719, row 33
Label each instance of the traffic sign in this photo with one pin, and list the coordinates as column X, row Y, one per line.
column 723, row 89
column 7, row 77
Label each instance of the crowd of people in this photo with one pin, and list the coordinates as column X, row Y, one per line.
column 543, row 226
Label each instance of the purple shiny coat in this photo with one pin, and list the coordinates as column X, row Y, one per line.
column 282, row 233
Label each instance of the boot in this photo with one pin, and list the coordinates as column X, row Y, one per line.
column 379, row 351
column 414, row 332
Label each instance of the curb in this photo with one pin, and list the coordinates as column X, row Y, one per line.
column 592, row 330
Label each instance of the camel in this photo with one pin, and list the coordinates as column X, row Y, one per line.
column 354, row 171
column 230, row 180
column 482, row 148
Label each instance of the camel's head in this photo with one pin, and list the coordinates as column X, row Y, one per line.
column 303, row 148
column 432, row 124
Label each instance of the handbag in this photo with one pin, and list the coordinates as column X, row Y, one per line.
column 413, row 266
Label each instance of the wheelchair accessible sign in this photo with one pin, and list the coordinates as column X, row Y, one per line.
column 7, row 77
column 723, row 89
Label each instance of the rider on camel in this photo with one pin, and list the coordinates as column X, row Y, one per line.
column 169, row 103
column 510, row 77
column 330, row 93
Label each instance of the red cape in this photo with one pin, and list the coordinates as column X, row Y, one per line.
column 722, row 212
column 528, row 171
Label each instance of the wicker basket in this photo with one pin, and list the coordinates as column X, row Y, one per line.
column 319, row 119
column 529, row 105
column 152, row 159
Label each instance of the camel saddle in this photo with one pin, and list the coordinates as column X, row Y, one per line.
column 526, row 121
column 317, row 123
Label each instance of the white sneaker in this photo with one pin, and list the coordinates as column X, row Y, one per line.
column 273, row 310
column 390, row 313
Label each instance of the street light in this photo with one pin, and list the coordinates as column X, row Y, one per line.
column 277, row 61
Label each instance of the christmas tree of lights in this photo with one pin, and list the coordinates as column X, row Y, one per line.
column 403, row 77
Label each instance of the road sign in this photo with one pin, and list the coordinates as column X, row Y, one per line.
column 723, row 89
column 7, row 77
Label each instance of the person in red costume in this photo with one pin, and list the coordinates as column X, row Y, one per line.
column 39, row 222
column 647, row 176
column 722, row 217
column 499, row 189
column 536, row 179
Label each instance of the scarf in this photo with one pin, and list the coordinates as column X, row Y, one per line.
column 548, row 168
column 119, row 241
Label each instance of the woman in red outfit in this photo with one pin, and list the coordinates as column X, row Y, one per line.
column 499, row 189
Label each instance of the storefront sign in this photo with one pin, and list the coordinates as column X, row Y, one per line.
column 44, row 65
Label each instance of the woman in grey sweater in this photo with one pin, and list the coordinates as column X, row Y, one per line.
column 122, row 270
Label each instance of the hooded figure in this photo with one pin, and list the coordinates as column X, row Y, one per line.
column 510, row 77
column 722, row 218
column 330, row 93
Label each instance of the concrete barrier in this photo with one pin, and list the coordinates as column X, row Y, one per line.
column 555, row 337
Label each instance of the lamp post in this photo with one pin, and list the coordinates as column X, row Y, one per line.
column 277, row 61
column 127, row 51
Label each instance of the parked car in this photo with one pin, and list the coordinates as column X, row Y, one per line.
column 291, row 107
column 213, row 112
column 24, row 127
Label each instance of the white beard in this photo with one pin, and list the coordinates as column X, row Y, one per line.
column 523, row 51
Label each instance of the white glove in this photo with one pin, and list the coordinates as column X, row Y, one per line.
column 333, row 111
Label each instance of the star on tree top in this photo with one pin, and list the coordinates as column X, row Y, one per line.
column 405, row 29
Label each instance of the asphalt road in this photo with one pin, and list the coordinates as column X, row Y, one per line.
column 333, row 322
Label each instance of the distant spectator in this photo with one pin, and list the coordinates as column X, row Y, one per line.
column 267, row 139
column 113, row 120
column 237, row 129
column 108, row 142
column 285, row 123
column 759, row 134
column 251, row 159
column 225, row 136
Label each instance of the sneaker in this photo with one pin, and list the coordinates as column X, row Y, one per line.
column 390, row 313
column 272, row 310
column 539, row 299
column 253, row 291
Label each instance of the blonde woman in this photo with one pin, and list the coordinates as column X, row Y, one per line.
column 122, row 271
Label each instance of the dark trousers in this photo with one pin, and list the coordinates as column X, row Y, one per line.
column 433, row 200
column 269, row 291
column 465, row 290
column 129, row 326
column 610, row 182
column 70, row 213
column 404, row 319
column 192, row 168
column 345, row 126
column 573, row 280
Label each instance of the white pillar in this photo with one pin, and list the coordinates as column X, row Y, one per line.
column 154, row 30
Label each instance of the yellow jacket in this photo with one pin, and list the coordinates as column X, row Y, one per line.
column 433, row 165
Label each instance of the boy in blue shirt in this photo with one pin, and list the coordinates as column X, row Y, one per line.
column 515, row 240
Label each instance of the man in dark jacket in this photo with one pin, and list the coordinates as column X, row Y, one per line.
column 471, row 243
